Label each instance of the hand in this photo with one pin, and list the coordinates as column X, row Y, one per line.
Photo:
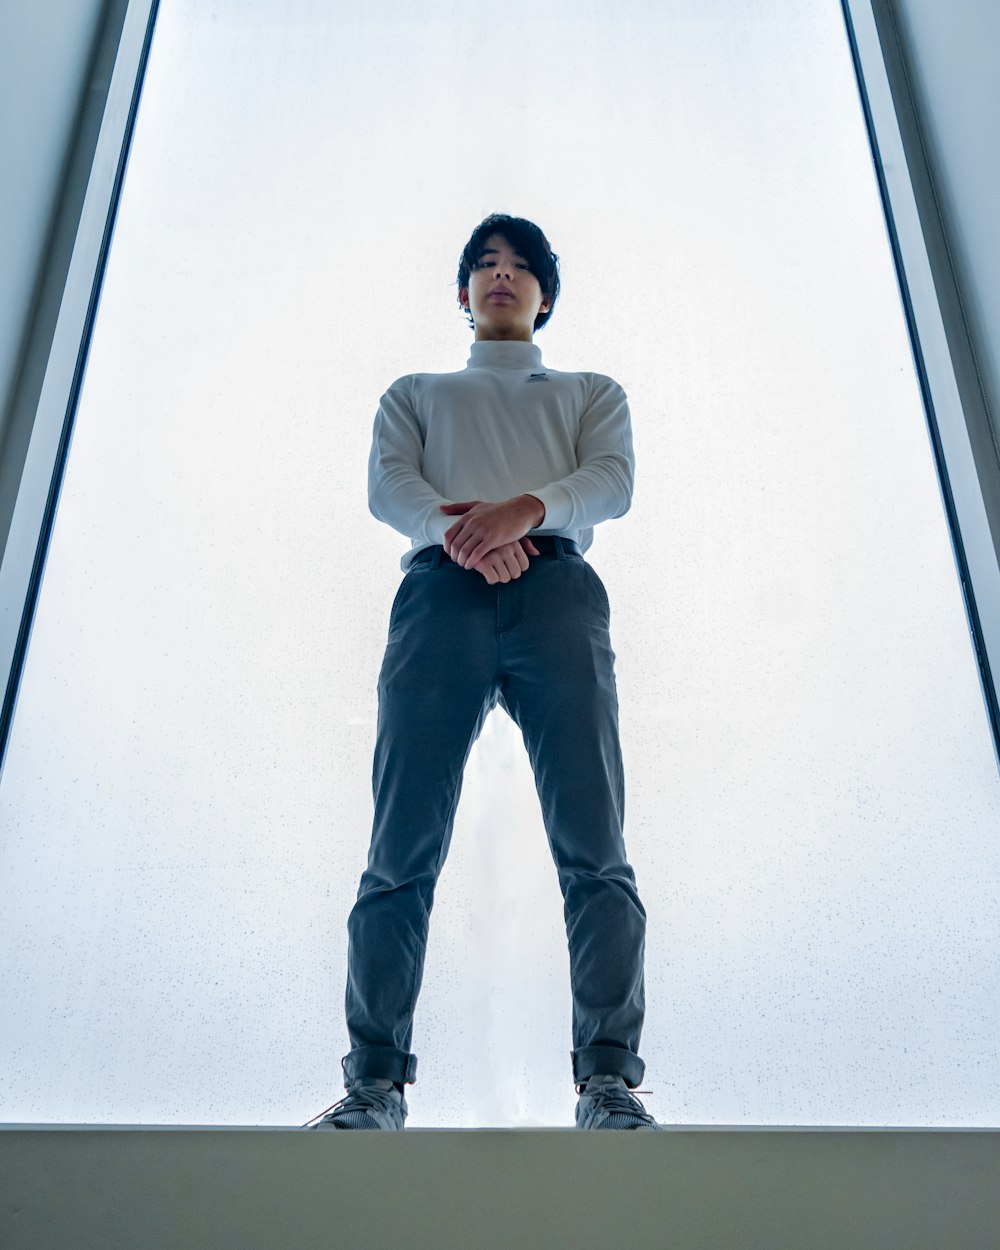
column 485, row 526
column 505, row 563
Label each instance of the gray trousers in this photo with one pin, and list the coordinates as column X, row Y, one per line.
column 540, row 646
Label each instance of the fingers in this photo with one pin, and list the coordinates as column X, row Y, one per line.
column 463, row 544
column 460, row 542
column 482, row 529
column 452, row 532
column 512, row 561
column 493, row 569
column 470, row 551
column 502, row 564
column 479, row 552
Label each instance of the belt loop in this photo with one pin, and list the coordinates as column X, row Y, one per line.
column 436, row 557
column 560, row 549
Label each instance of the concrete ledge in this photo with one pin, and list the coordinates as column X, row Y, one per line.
column 195, row 1188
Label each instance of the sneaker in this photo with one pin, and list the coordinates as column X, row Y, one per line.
column 605, row 1102
column 371, row 1103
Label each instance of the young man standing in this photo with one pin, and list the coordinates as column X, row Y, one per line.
column 497, row 474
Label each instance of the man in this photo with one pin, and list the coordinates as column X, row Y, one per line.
column 497, row 473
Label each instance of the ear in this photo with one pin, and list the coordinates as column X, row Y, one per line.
column 463, row 297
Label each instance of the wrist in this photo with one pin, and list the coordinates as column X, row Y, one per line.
column 536, row 510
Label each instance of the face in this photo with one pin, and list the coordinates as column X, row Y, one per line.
column 503, row 295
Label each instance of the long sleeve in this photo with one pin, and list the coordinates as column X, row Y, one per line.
column 397, row 492
column 501, row 427
column 601, row 487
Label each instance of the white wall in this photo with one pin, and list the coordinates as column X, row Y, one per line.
column 45, row 51
column 953, row 54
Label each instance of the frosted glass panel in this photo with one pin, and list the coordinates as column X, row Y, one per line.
column 812, row 799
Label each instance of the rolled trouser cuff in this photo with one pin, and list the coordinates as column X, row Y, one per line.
column 607, row 1061
column 386, row 1062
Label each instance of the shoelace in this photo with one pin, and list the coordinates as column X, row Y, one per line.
column 616, row 1099
column 363, row 1097
column 581, row 1088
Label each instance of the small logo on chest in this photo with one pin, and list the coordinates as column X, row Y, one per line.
column 538, row 377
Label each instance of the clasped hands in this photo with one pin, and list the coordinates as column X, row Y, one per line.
column 490, row 537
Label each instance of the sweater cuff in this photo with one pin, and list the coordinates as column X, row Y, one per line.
column 437, row 524
column 558, row 507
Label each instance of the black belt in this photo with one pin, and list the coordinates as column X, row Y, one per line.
column 547, row 544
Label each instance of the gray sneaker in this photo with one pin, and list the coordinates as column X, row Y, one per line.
column 605, row 1102
column 371, row 1103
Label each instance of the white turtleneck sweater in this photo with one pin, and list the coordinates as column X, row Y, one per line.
column 502, row 426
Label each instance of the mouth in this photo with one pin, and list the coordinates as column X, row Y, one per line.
column 501, row 295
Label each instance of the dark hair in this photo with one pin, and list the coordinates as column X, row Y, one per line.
column 525, row 237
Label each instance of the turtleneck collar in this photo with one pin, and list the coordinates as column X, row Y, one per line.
column 504, row 354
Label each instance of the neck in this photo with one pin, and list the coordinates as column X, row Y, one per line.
column 514, row 336
column 505, row 354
